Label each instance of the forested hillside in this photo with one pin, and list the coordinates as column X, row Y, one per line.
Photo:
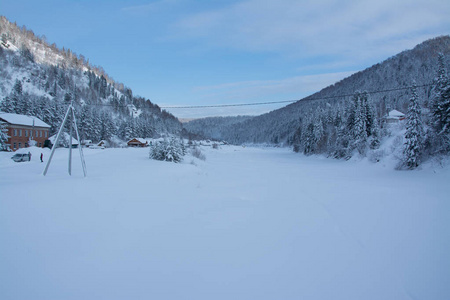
column 41, row 80
column 325, row 122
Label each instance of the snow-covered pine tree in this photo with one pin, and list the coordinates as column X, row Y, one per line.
column 375, row 136
column 359, row 132
column 318, row 132
column 3, row 136
column 414, row 132
column 17, row 89
column 156, row 151
column 368, row 111
column 167, row 150
column 174, row 151
column 8, row 105
column 310, row 141
column 441, row 108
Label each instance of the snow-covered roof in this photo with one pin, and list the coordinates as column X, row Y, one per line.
column 65, row 137
column 396, row 114
column 143, row 141
column 23, row 120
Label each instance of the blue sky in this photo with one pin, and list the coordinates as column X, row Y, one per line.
column 176, row 52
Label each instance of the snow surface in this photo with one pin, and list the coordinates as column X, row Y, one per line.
column 247, row 223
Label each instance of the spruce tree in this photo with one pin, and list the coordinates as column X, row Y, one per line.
column 441, row 108
column 414, row 133
column 309, row 139
column 3, row 136
column 359, row 127
column 17, row 89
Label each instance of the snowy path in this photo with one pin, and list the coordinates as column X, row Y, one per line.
column 246, row 223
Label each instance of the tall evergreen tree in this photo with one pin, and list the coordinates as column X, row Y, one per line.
column 8, row 105
column 310, row 140
column 441, row 108
column 17, row 89
column 359, row 126
column 414, row 133
column 3, row 136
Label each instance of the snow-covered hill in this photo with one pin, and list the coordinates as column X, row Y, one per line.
column 417, row 65
column 41, row 80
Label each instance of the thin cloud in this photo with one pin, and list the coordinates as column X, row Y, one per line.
column 341, row 28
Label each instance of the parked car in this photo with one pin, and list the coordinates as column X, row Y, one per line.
column 18, row 157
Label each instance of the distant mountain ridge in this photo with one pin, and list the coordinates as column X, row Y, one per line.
column 417, row 65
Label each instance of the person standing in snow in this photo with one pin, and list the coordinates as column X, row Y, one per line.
column 29, row 156
column 42, row 156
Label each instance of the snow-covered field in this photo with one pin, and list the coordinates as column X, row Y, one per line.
column 247, row 223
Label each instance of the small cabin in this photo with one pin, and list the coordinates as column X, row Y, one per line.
column 87, row 143
column 395, row 116
column 64, row 141
column 137, row 142
column 102, row 143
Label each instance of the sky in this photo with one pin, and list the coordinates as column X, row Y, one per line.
column 197, row 53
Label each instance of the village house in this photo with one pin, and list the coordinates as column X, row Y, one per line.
column 102, row 143
column 64, row 141
column 137, row 142
column 86, row 143
column 395, row 116
column 23, row 130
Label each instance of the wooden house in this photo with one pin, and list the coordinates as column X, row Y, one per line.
column 137, row 142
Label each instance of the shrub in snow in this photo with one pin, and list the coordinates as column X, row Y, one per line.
column 197, row 153
column 168, row 150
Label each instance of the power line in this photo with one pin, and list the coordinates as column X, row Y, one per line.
column 276, row 102
column 292, row 101
column 228, row 105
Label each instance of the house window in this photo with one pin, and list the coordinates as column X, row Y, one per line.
column 20, row 145
column 26, row 132
column 40, row 133
column 26, row 145
column 40, row 145
column 36, row 134
column 15, row 133
column 46, row 134
column 20, row 132
column 15, row 146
